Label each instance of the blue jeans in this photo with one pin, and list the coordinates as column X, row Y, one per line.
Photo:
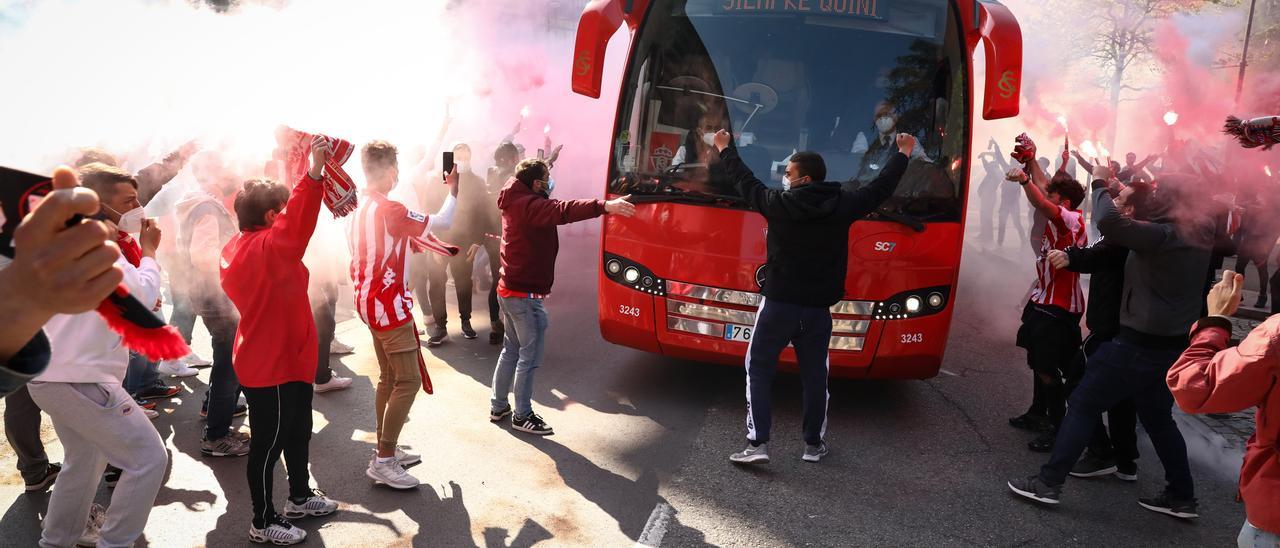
column 224, row 387
column 1253, row 537
column 141, row 374
column 523, row 343
column 1120, row 369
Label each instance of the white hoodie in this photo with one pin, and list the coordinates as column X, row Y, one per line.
column 84, row 348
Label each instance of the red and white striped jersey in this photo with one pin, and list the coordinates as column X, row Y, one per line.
column 1060, row 288
column 380, row 236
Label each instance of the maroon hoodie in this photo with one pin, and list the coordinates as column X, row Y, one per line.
column 529, row 239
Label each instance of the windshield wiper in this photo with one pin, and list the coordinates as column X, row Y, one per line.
column 900, row 218
column 674, row 194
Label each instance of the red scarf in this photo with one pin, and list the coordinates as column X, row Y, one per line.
column 433, row 244
column 339, row 190
column 129, row 248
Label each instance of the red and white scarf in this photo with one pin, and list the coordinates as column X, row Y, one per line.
column 340, row 194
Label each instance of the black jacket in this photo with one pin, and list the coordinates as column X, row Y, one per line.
column 1104, row 263
column 808, row 235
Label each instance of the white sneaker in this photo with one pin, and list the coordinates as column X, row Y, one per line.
column 391, row 474
column 278, row 532
column 337, row 347
column 194, row 360
column 315, row 505
column 151, row 413
column 93, row 526
column 406, row 458
column 176, row 368
column 335, row 383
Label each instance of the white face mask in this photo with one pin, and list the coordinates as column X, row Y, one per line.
column 130, row 221
column 884, row 124
column 709, row 139
column 551, row 185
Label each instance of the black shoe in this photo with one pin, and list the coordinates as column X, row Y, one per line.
column 111, row 476
column 50, row 474
column 1262, row 302
column 1127, row 471
column 495, row 416
column 1028, row 421
column 467, row 331
column 1043, row 443
column 158, row 391
column 532, row 424
column 1165, row 503
column 1092, row 466
column 438, row 335
column 1034, row 488
column 495, row 337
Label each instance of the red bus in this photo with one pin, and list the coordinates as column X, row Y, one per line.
column 838, row 77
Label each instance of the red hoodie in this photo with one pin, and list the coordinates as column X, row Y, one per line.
column 529, row 238
column 263, row 275
column 1211, row 378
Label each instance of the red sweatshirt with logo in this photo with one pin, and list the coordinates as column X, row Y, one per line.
column 263, row 275
column 1211, row 378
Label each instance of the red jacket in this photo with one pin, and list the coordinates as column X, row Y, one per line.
column 529, row 239
column 1211, row 378
column 263, row 275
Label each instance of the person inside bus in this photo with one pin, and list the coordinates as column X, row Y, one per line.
column 808, row 257
column 1163, row 277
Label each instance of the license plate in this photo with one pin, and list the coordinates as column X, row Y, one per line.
column 734, row 332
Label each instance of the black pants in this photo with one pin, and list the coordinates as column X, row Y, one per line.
column 1051, row 336
column 808, row 329
column 1275, row 292
column 1118, row 438
column 324, row 309
column 22, row 430
column 1126, row 367
column 280, row 421
column 460, row 268
column 492, row 248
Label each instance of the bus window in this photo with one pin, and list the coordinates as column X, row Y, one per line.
column 838, row 78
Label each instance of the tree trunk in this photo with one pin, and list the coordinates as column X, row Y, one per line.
column 1117, row 80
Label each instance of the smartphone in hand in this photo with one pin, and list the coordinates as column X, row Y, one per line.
column 447, row 166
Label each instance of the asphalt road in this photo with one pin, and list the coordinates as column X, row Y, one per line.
column 640, row 453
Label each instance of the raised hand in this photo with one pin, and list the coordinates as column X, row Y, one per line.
column 149, row 240
column 906, row 143
column 722, row 140
column 319, row 155
column 1017, row 175
column 1224, row 297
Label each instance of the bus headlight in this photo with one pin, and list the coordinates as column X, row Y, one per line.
column 910, row 304
column 633, row 275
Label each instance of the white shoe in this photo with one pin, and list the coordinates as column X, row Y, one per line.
column 336, row 347
column 176, row 368
column 194, row 360
column 92, row 527
column 406, row 458
column 335, row 383
column 316, row 505
column 278, row 532
column 151, row 413
column 391, row 474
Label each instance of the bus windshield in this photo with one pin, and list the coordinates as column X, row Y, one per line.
column 837, row 77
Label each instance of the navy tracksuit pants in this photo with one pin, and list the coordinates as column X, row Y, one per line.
column 808, row 329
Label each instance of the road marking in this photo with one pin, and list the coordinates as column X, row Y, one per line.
column 948, row 373
column 656, row 527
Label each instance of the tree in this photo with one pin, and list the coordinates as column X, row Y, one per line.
column 1125, row 38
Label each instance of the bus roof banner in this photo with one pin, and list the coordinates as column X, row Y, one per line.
column 867, row 9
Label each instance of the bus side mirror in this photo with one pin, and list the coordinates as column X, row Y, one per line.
column 600, row 20
column 1003, row 40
